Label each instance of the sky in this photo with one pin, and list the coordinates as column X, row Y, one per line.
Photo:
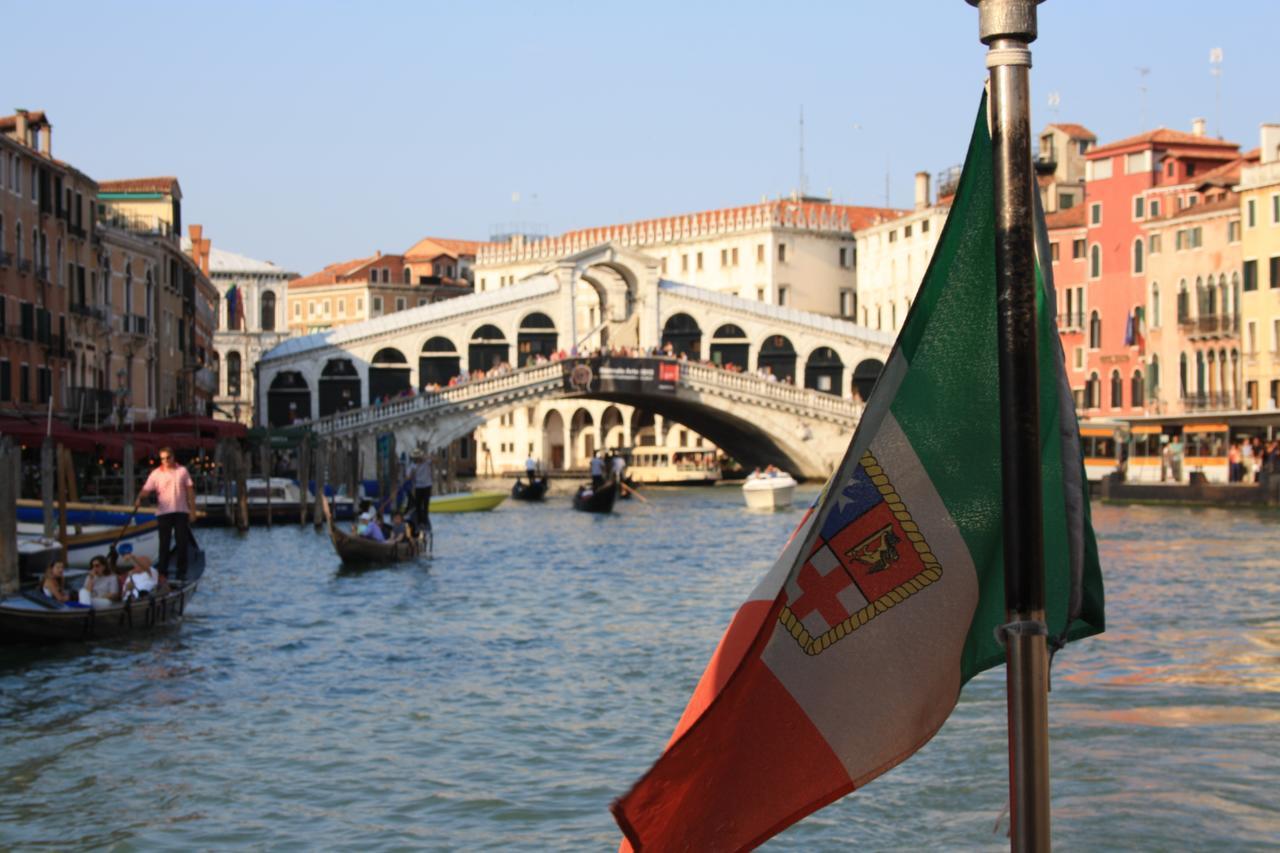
column 308, row 133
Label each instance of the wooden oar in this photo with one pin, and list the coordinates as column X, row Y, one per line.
column 635, row 492
column 112, row 554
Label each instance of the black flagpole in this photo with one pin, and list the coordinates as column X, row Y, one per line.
column 1007, row 27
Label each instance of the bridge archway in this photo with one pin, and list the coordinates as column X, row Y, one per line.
column 682, row 332
column 613, row 429
column 729, row 346
column 339, row 386
column 778, row 354
column 537, row 337
column 583, row 438
column 865, row 376
column 553, row 455
column 388, row 374
column 488, row 348
column 644, row 429
column 824, row 371
column 438, row 362
column 288, row 399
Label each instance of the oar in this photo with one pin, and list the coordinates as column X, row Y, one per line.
column 635, row 492
column 112, row 555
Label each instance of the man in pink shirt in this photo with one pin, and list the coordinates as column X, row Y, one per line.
column 175, row 503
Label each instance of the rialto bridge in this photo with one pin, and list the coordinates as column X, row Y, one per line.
column 351, row 381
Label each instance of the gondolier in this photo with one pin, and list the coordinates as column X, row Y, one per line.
column 420, row 475
column 175, row 503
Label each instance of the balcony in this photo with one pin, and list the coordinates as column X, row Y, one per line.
column 92, row 404
column 6, row 259
column 1210, row 326
column 1071, row 321
column 89, row 312
column 1216, row 401
column 42, row 274
column 24, row 265
column 134, row 223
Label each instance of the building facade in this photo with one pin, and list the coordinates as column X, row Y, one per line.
column 1259, row 189
column 1060, row 165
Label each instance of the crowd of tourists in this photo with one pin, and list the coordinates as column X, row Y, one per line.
column 1247, row 458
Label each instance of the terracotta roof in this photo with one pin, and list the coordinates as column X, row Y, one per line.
column 34, row 117
column 1164, row 136
column 331, row 273
column 431, row 247
column 166, row 184
column 1072, row 217
column 1075, row 131
column 1228, row 174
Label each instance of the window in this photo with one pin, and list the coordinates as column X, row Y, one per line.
column 1095, row 330
column 1117, row 390
column 1053, row 252
column 327, row 305
column 893, row 236
column 1136, row 163
column 782, row 253
column 1233, row 231
column 724, row 257
column 373, row 276
column 267, row 320
column 297, row 309
column 1274, row 263
column 1079, row 358
column 663, row 267
column 342, row 307
column 1139, row 207
column 1137, row 256
column 1095, row 213
column 359, row 304
column 906, row 232
column 699, row 259
column 24, row 383
column 1135, row 389
column 386, row 275
column 1251, row 213
column 1098, row 170
column 1275, row 209
column 1077, row 249
column 760, row 253
column 1154, row 245
column 847, row 306
column 844, row 256
column 784, row 291
column 422, row 300
column 1250, row 275
column 1155, row 305
column 733, row 256
column 311, row 308
column 375, row 305
column 1251, row 337
column 399, row 303
column 760, row 294
column 1191, row 170
column 684, row 263
column 1155, row 207
column 6, row 381
column 1095, row 261
column 1066, row 201
column 233, row 374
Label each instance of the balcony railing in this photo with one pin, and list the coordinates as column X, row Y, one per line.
column 92, row 313
column 1071, row 320
column 136, row 224
column 1220, row 401
column 5, row 259
column 1210, row 325
column 42, row 274
column 24, row 265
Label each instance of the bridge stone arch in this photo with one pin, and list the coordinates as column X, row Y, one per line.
column 824, row 371
column 731, row 346
column 339, row 386
column 487, row 347
column 684, row 335
column 438, row 361
column 288, row 398
column 865, row 375
column 778, row 354
column 388, row 374
column 536, row 336
column 584, row 436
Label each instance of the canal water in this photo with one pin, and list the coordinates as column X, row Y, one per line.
column 502, row 694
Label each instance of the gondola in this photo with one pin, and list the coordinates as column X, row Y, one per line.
column 355, row 550
column 29, row 616
column 588, row 499
column 526, row 491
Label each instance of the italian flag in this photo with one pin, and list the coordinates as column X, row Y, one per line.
column 850, row 654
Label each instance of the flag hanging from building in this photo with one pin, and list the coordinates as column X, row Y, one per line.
column 851, row 653
column 235, row 307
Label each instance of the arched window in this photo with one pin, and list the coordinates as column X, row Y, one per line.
column 1154, row 320
column 1182, row 376
column 1093, row 391
column 1136, row 389
column 1184, row 300
column 267, row 312
column 233, row 374
column 408, row 275
column 1153, row 379
column 1117, row 390
column 1137, row 257
column 1095, row 330
column 1095, row 261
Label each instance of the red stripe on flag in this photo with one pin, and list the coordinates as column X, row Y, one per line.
column 752, row 757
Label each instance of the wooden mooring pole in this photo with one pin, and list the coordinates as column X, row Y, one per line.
column 10, row 485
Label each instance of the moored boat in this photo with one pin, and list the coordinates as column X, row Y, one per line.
column 278, row 497
column 525, row 491
column 30, row 616
column 772, row 490
column 92, row 528
column 467, row 501
column 600, row 499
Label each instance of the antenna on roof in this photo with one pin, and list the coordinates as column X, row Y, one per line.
column 1215, row 68
column 1143, row 71
column 803, row 192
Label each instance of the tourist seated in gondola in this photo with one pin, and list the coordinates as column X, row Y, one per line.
column 54, row 585
column 101, row 586
column 143, row 580
column 370, row 528
column 399, row 532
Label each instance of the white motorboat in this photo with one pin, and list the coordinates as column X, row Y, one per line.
column 279, row 495
column 770, row 490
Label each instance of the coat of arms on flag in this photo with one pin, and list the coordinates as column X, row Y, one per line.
column 869, row 556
